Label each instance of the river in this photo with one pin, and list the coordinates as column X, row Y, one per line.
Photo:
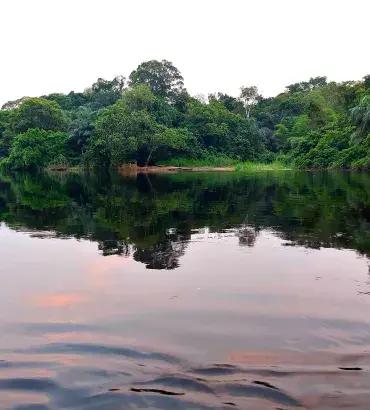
column 185, row 291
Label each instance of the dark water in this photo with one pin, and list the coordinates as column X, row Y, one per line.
column 187, row 291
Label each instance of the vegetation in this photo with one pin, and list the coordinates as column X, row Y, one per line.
column 152, row 119
column 204, row 161
column 257, row 166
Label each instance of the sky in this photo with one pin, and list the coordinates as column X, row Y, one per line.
column 63, row 45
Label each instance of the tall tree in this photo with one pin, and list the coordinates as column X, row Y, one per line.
column 230, row 103
column 162, row 77
column 361, row 118
column 249, row 97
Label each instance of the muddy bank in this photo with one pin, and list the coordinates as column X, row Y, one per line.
column 129, row 169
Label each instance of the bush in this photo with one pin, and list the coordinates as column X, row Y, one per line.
column 35, row 149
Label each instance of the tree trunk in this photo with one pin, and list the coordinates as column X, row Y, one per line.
column 149, row 158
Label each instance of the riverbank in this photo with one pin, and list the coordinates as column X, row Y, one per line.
column 132, row 169
column 129, row 169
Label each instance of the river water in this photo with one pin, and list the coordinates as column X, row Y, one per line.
column 185, row 291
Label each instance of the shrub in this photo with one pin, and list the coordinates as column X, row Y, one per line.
column 35, row 149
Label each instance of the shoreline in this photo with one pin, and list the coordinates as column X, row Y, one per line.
column 175, row 169
column 132, row 169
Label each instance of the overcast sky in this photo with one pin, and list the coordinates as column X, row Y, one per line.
column 218, row 45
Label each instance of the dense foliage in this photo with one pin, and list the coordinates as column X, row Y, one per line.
column 152, row 118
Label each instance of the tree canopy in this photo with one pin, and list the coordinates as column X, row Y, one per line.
column 162, row 77
column 152, row 119
column 38, row 113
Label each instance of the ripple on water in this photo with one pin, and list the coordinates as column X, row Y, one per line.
column 116, row 377
column 143, row 385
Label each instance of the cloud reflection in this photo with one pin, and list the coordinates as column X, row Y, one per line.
column 58, row 299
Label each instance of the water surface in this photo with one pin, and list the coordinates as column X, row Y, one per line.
column 186, row 291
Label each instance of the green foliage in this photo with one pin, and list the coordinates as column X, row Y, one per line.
column 312, row 123
column 367, row 82
column 230, row 103
column 162, row 77
column 35, row 149
column 152, row 119
column 249, row 166
column 38, row 113
column 6, row 136
column 207, row 160
column 64, row 101
column 81, row 129
column 12, row 105
column 217, row 129
column 361, row 118
column 304, row 86
column 128, row 131
column 105, row 92
column 115, row 138
column 165, row 138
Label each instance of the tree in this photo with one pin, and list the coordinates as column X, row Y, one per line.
column 36, row 149
column 39, row 113
column 281, row 134
column 304, row 86
column 230, row 103
column 217, row 129
column 6, row 136
column 12, row 105
column 317, row 108
column 317, row 82
column 70, row 101
column 139, row 98
column 81, row 129
column 162, row 77
column 122, row 127
column 367, row 82
column 129, row 131
column 115, row 137
column 63, row 100
column 361, row 118
column 106, row 92
column 249, row 97
column 165, row 138
column 78, row 99
column 117, row 84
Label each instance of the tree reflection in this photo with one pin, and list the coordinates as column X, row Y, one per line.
column 247, row 236
column 151, row 218
column 114, row 247
column 164, row 255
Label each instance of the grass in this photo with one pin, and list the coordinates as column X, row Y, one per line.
column 212, row 161
column 223, row 161
column 249, row 166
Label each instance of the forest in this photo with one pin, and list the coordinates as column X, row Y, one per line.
column 149, row 118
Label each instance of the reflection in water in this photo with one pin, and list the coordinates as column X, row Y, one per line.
column 187, row 291
column 154, row 220
column 58, row 300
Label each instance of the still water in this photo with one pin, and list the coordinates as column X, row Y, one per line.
column 186, row 291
